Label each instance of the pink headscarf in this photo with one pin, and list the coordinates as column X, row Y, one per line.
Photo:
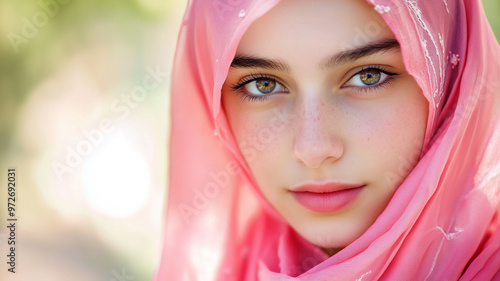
column 441, row 224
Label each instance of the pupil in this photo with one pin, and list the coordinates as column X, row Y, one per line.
column 370, row 76
column 266, row 86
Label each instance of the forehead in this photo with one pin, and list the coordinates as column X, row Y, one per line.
column 297, row 28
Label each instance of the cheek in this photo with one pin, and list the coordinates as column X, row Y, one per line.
column 262, row 140
column 395, row 135
column 259, row 135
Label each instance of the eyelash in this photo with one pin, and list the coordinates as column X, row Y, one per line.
column 237, row 88
column 389, row 79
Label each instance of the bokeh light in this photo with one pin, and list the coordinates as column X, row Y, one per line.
column 101, row 215
column 116, row 178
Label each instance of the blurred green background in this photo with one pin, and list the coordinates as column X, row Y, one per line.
column 492, row 9
column 84, row 120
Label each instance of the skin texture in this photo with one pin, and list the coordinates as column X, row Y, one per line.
column 321, row 123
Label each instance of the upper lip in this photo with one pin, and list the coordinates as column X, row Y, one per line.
column 324, row 187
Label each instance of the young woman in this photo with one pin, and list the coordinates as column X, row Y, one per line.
column 334, row 140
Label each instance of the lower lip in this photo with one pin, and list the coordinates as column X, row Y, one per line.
column 327, row 202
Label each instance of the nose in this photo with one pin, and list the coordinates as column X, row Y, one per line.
column 316, row 142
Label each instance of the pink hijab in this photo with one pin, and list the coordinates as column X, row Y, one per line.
column 441, row 224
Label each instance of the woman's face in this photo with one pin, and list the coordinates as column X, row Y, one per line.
column 325, row 114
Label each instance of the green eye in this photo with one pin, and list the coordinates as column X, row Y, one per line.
column 370, row 76
column 258, row 87
column 265, row 86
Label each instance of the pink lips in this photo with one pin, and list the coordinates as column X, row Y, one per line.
column 328, row 197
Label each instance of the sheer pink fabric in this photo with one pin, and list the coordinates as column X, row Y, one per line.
column 442, row 223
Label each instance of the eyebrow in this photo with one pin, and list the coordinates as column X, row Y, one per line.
column 369, row 49
column 344, row 57
column 243, row 61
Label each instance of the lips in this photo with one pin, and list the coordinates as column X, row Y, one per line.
column 328, row 197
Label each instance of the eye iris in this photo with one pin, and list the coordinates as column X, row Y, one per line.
column 370, row 76
column 265, row 85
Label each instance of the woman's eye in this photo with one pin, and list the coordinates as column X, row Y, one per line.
column 367, row 77
column 263, row 86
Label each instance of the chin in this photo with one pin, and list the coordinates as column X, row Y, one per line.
column 332, row 239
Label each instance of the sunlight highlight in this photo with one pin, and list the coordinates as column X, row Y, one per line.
column 116, row 178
